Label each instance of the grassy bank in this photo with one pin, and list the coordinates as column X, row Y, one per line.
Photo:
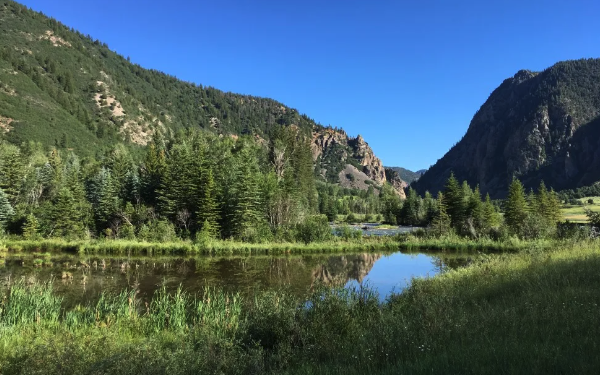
column 532, row 312
column 187, row 248
column 576, row 213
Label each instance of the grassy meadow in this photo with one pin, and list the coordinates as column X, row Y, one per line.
column 531, row 312
column 576, row 213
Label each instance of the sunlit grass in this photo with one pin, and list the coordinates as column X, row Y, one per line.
column 531, row 312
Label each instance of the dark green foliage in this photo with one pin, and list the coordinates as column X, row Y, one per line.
column 314, row 229
column 31, row 228
column 516, row 207
column 503, row 139
column 454, row 200
column 6, row 210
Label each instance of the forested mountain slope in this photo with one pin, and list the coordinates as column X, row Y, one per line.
column 535, row 126
column 61, row 88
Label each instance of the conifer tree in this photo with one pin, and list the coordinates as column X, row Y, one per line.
column 65, row 216
column 516, row 207
column 12, row 171
column 489, row 214
column 208, row 207
column 475, row 209
column 6, row 210
column 30, row 228
column 441, row 222
column 244, row 206
column 454, row 201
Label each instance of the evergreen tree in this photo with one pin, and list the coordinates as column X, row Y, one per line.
column 489, row 214
column 410, row 212
column 475, row 210
column 516, row 207
column 12, row 171
column 244, row 206
column 30, row 228
column 429, row 207
column 208, row 207
column 441, row 222
column 6, row 210
column 454, row 201
column 65, row 216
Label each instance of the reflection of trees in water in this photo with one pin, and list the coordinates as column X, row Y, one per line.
column 445, row 263
column 338, row 270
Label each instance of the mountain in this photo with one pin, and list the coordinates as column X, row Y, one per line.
column 61, row 88
column 407, row 175
column 534, row 126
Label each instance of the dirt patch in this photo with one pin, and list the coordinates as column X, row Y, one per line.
column 6, row 89
column 105, row 99
column 5, row 124
column 139, row 133
column 55, row 40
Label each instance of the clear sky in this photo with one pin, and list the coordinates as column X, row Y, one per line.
column 407, row 75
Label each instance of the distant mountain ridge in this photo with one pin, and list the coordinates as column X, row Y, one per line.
column 534, row 126
column 407, row 175
column 61, row 88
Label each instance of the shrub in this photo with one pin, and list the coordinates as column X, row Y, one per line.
column 590, row 201
column 348, row 233
column 314, row 229
column 351, row 218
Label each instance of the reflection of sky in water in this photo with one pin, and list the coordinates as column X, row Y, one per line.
column 393, row 273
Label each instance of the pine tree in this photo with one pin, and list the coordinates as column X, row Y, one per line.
column 489, row 214
column 65, row 216
column 6, row 210
column 553, row 207
column 244, row 206
column 516, row 207
column 208, row 208
column 454, row 201
column 30, row 228
column 441, row 222
column 429, row 207
column 475, row 209
column 12, row 171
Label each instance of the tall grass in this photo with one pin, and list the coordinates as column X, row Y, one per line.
column 226, row 247
column 531, row 312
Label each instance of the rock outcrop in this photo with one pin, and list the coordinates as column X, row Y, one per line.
column 333, row 150
column 535, row 126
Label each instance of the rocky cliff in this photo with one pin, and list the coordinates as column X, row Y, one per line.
column 333, row 151
column 535, row 126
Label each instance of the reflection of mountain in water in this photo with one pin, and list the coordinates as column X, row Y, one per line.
column 340, row 269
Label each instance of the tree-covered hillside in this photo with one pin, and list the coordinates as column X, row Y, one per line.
column 59, row 87
column 534, row 126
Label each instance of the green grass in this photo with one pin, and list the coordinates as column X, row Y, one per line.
column 532, row 312
column 577, row 213
column 338, row 245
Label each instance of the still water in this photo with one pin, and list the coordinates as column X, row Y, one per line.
column 82, row 279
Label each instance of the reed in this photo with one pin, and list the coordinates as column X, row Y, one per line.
column 534, row 311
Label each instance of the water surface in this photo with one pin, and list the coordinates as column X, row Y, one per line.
column 82, row 279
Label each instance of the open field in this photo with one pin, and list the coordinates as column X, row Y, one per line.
column 576, row 214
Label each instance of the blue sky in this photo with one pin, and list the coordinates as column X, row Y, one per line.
column 407, row 75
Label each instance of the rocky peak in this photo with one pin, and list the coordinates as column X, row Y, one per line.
column 348, row 150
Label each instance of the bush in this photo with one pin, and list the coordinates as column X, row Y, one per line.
column 590, row 201
column 348, row 233
column 573, row 231
column 314, row 229
column 368, row 218
column 351, row 218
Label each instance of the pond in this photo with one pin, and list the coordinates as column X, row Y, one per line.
column 82, row 279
